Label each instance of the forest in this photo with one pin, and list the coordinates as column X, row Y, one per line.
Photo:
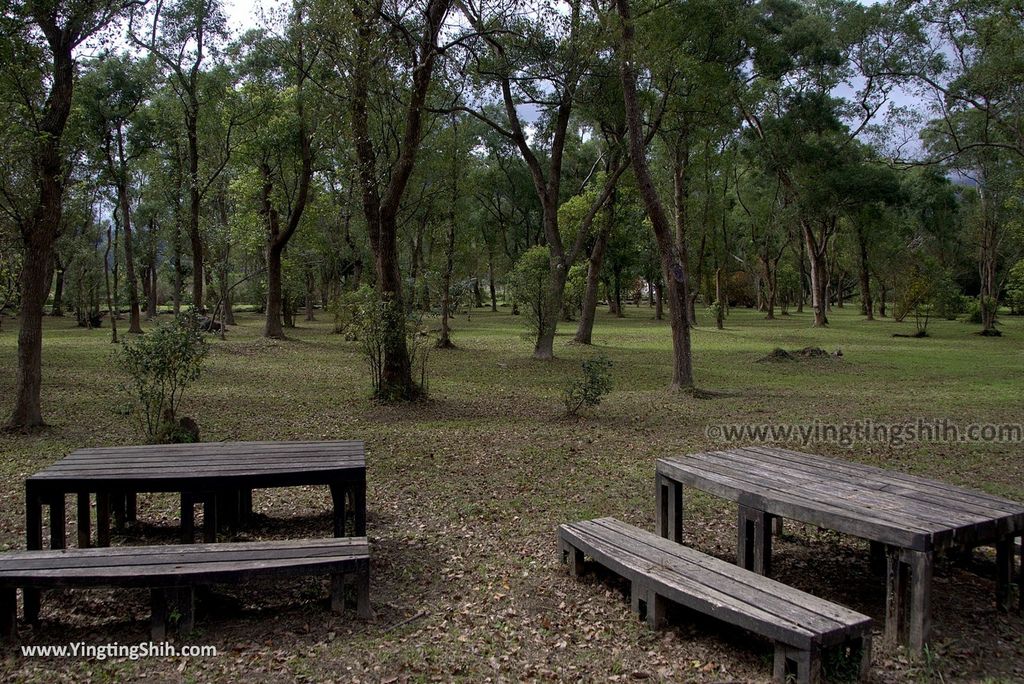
column 704, row 155
column 523, row 250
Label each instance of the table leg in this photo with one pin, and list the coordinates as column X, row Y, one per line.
column 8, row 613
column 338, row 499
column 58, row 522
column 669, row 508
column 895, row 594
column 1004, row 573
column 131, row 507
column 920, row 619
column 84, row 521
column 118, row 509
column 210, row 518
column 103, row 519
column 359, row 504
column 188, row 518
column 754, row 540
column 877, row 551
column 34, row 542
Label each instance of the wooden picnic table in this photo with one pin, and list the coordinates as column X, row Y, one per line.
column 221, row 475
column 906, row 518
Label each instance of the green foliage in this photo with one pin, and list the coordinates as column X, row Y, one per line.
column 1015, row 288
column 350, row 310
column 787, row 281
column 946, row 298
column 594, row 381
column 528, row 284
column 162, row 364
column 378, row 322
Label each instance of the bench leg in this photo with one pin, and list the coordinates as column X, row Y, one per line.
column 1004, row 574
column 84, row 521
column 865, row 657
column 34, row 542
column 338, row 593
column 363, row 594
column 8, row 613
column 158, row 616
column 754, row 540
column 186, row 607
column 790, row 663
column 648, row 605
column 572, row 557
column 669, row 508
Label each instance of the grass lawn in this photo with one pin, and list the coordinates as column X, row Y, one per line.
column 466, row 490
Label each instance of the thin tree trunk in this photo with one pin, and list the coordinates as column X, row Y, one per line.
column 659, row 294
column 866, row 305
column 490, row 280
column 585, row 329
column 58, row 291
column 674, row 270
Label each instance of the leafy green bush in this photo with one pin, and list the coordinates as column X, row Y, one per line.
column 589, row 388
column 375, row 328
column 162, row 364
column 1015, row 288
column 528, row 284
column 349, row 310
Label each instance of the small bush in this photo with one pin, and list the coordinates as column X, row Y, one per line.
column 162, row 364
column 589, row 388
column 528, row 284
column 349, row 310
column 377, row 326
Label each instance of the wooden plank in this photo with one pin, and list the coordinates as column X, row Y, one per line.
column 105, row 461
column 182, row 557
column 936, row 493
column 119, row 551
column 200, row 471
column 779, row 502
column 711, row 567
column 921, row 483
column 693, row 594
column 823, row 488
column 764, row 612
column 208, row 573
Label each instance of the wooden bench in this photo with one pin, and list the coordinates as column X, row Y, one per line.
column 800, row 625
column 172, row 572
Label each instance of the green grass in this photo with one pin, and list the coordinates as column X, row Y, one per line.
column 466, row 490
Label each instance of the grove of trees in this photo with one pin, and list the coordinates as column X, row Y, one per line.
column 540, row 155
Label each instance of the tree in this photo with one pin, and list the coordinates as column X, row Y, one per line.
column 546, row 73
column 674, row 269
column 181, row 35
column 113, row 93
column 41, row 75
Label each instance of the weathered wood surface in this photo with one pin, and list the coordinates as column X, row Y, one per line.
column 221, row 475
column 169, row 465
column 172, row 571
column 883, row 506
column 658, row 569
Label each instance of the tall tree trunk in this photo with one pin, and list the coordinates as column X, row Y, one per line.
column 674, row 270
column 490, row 279
column 803, row 278
column 135, row 315
column 43, row 227
column 585, row 329
column 659, row 294
column 816, row 252
column 866, row 305
column 617, row 280
column 111, row 307
column 719, row 300
column 195, row 202
column 987, row 267
column 58, row 290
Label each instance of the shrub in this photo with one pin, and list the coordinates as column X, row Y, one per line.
column 589, row 388
column 376, row 327
column 162, row 364
column 1015, row 288
column 349, row 310
column 528, row 283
